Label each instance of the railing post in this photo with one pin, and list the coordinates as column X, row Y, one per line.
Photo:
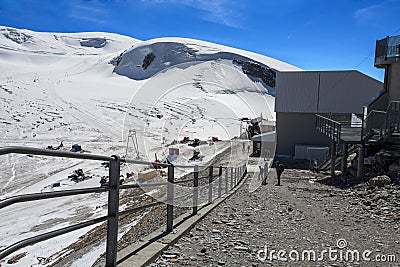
column 344, row 158
column 219, row 181
column 231, row 177
column 170, row 199
column 210, row 180
column 195, row 189
column 360, row 165
column 113, row 206
column 333, row 158
column 235, row 176
column 226, row 180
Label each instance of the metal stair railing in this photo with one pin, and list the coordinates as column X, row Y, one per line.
column 374, row 125
column 393, row 118
column 328, row 127
column 381, row 125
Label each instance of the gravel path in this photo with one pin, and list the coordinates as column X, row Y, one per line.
column 299, row 218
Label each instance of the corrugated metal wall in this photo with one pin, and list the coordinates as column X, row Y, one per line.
column 324, row 91
column 296, row 92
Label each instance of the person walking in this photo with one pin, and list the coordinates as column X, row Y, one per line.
column 279, row 169
column 265, row 173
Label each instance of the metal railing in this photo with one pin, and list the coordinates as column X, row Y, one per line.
column 382, row 124
column 337, row 126
column 113, row 189
column 328, row 127
column 374, row 124
column 387, row 48
column 393, row 118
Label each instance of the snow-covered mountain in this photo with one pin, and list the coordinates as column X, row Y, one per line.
column 91, row 89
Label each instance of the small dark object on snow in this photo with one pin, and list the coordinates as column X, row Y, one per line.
column 105, row 164
column 76, row 148
column 195, row 143
column 104, row 181
column 185, row 140
column 215, row 139
column 196, row 155
column 78, row 176
column 56, row 148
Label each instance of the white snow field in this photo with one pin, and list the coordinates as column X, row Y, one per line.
column 91, row 89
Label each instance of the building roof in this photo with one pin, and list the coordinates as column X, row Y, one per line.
column 324, row 91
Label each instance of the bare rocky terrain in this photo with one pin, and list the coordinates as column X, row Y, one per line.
column 357, row 225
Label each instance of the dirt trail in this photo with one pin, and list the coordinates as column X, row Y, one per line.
column 249, row 229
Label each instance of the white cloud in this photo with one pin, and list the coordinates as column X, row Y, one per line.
column 374, row 12
column 219, row 11
column 91, row 11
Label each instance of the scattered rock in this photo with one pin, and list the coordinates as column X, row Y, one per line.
column 16, row 258
column 379, row 181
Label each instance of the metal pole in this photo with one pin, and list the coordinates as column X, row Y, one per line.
column 226, row 180
column 113, row 205
column 333, row 158
column 236, row 173
column 219, row 181
column 170, row 199
column 344, row 158
column 361, row 151
column 360, row 165
column 195, row 189
column 210, row 180
column 231, row 177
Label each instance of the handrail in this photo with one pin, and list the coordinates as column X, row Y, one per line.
column 46, row 195
column 53, row 153
column 39, row 238
column 386, row 122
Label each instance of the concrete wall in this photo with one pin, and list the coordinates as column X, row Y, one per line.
column 297, row 128
column 394, row 82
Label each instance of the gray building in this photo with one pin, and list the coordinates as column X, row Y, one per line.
column 300, row 95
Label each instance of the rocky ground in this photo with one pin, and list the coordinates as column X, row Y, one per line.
column 352, row 225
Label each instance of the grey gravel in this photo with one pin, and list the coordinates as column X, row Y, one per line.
column 302, row 214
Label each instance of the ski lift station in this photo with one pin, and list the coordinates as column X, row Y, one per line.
column 300, row 95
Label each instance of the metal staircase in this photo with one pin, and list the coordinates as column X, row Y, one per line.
column 326, row 165
column 383, row 126
column 378, row 127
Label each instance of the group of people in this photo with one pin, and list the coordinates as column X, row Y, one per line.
column 264, row 172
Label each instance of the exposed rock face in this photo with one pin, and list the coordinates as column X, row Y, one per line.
column 94, row 42
column 144, row 61
column 267, row 75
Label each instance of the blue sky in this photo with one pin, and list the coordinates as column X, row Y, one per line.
column 311, row 34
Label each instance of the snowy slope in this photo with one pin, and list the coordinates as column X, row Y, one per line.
column 173, row 51
column 91, row 89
